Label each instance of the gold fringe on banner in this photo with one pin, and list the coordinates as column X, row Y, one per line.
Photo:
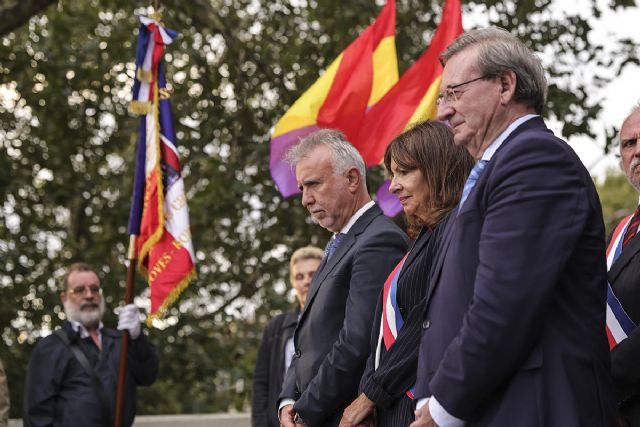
column 140, row 107
column 171, row 298
column 144, row 76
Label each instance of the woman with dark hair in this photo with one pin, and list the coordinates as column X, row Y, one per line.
column 428, row 173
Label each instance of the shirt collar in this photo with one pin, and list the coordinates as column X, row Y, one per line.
column 80, row 329
column 356, row 216
column 491, row 149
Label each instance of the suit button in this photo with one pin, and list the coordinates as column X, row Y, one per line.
column 297, row 354
column 426, row 324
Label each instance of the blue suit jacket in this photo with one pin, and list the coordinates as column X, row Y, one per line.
column 513, row 332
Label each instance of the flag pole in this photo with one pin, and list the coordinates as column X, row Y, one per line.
column 128, row 299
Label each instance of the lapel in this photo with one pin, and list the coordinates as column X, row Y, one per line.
column 440, row 253
column 290, row 319
column 327, row 266
column 418, row 245
column 531, row 124
column 625, row 256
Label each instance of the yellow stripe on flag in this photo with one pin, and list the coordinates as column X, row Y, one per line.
column 385, row 69
column 427, row 107
column 304, row 111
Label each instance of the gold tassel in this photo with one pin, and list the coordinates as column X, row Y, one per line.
column 140, row 107
column 164, row 94
column 144, row 76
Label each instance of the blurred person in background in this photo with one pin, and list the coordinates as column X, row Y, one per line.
column 276, row 349
column 73, row 373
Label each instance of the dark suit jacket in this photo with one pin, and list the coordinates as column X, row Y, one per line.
column 332, row 337
column 269, row 371
column 514, row 322
column 396, row 373
column 624, row 277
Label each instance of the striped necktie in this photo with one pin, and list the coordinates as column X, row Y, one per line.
column 632, row 228
column 471, row 180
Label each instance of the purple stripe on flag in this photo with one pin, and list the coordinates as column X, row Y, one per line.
column 282, row 172
column 387, row 201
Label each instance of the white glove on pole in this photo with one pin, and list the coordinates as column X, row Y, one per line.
column 129, row 319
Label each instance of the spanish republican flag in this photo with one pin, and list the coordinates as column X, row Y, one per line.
column 413, row 98
column 356, row 80
column 159, row 216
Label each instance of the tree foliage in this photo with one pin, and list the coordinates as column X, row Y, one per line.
column 618, row 199
column 67, row 143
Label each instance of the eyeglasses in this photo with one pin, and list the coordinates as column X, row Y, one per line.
column 80, row 290
column 450, row 93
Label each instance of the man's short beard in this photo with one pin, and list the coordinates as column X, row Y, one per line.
column 631, row 177
column 87, row 318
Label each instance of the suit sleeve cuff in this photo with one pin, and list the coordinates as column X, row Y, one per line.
column 377, row 394
column 441, row 416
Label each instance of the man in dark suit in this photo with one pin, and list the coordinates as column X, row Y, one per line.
column 624, row 277
column 514, row 324
column 332, row 336
column 276, row 349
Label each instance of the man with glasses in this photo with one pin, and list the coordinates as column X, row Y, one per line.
column 514, row 321
column 73, row 373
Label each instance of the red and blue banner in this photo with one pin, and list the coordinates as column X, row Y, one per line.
column 159, row 216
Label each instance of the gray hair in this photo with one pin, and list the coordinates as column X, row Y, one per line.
column 344, row 155
column 500, row 51
column 634, row 110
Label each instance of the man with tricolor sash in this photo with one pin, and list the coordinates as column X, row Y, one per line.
column 623, row 292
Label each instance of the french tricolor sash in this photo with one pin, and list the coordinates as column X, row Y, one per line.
column 391, row 321
column 619, row 325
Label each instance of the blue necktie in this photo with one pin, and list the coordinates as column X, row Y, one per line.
column 471, row 180
column 333, row 244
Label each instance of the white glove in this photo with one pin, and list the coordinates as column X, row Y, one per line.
column 129, row 319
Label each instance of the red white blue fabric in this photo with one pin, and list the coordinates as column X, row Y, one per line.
column 619, row 325
column 159, row 213
column 392, row 320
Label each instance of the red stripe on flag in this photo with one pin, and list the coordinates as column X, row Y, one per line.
column 169, row 263
column 150, row 212
column 169, row 156
column 390, row 116
column 346, row 102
